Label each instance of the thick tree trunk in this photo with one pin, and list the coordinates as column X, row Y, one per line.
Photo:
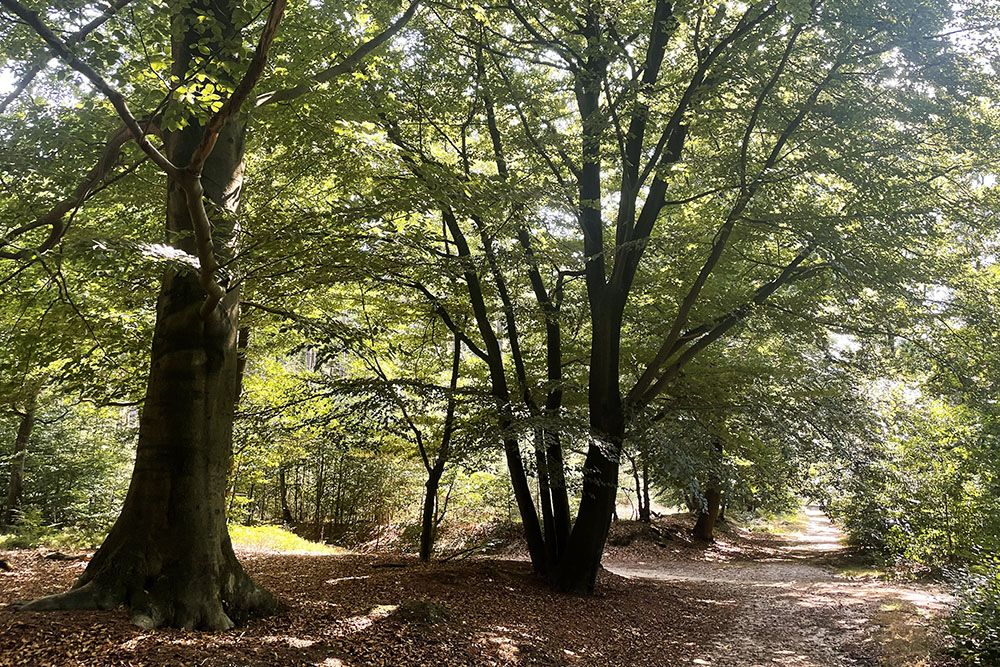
column 15, row 484
column 708, row 514
column 579, row 565
column 168, row 556
column 704, row 528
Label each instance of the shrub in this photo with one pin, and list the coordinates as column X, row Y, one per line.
column 976, row 621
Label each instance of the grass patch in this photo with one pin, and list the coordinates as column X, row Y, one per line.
column 256, row 538
column 782, row 524
column 907, row 638
column 56, row 539
column 276, row 538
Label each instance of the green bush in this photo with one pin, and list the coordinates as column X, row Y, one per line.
column 976, row 621
column 31, row 532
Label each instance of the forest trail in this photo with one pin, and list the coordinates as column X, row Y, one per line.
column 793, row 608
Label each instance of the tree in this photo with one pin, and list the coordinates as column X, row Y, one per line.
column 740, row 115
column 169, row 556
column 172, row 529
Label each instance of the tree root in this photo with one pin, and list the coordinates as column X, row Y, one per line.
column 86, row 597
column 167, row 603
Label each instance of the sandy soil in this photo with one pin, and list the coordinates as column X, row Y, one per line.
column 793, row 609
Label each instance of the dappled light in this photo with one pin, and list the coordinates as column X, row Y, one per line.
column 611, row 333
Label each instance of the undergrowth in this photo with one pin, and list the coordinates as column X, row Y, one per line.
column 275, row 538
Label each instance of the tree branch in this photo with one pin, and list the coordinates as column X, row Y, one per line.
column 348, row 64
column 55, row 217
column 71, row 41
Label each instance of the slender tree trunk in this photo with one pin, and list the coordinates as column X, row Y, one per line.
column 522, row 497
column 638, row 489
column 429, row 520
column 555, row 469
column 317, row 505
column 428, row 523
column 545, row 500
column 645, row 510
column 15, row 485
column 286, row 514
column 501, row 394
column 234, row 478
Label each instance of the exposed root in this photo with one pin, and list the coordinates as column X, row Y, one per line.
column 85, row 597
column 205, row 615
column 190, row 604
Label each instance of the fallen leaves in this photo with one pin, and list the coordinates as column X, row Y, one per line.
column 352, row 610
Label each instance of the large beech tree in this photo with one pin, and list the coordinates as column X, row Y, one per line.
column 169, row 556
column 709, row 143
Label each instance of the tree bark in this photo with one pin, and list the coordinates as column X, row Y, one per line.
column 501, row 393
column 15, row 485
column 286, row 514
column 579, row 566
column 704, row 528
column 708, row 514
column 427, row 522
column 645, row 512
column 168, row 556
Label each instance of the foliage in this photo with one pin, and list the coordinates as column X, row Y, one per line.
column 275, row 539
column 751, row 245
column 976, row 623
column 32, row 532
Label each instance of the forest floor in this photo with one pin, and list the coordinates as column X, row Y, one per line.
column 800, row 599
column 750, row 599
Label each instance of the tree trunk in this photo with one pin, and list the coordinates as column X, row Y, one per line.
column 525, row 503
column 708, row 515
column 286, row 514
column 318, row 500
column 579, row 565
column 15, row 486
column 168, row 556
column 545, row 500
column 428, row 523
column 645, row 512
column 704, row 528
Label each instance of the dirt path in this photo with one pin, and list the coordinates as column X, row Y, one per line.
column 794, row 611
